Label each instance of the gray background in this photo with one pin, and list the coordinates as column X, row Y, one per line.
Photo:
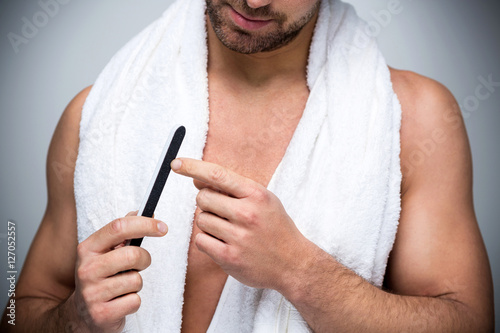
column 452, row 41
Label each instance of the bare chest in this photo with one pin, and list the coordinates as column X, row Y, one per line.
column 249, row 136
column 249, row 133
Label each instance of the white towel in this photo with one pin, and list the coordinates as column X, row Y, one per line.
column 339, row 179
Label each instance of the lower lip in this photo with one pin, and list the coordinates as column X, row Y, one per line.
column 246, row 23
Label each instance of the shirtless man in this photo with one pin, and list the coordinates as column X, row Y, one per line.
column 438, row 277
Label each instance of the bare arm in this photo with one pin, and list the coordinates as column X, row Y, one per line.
column 438, row 275
column 47, row 278
column 86, row 287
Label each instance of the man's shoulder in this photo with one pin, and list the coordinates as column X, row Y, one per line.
column 420, row 95
column 431, row 127
column 63, row 149
column 79, row 100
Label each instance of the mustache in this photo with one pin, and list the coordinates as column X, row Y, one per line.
column 266, row 11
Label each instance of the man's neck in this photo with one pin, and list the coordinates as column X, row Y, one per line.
column 261, row 69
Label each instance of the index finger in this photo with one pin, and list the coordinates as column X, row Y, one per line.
column 119, row 230
column 214, row 175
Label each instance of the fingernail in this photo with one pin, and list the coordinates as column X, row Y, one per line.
column 176, row 164
column 162, row 227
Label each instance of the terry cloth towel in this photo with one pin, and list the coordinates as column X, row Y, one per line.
column 339, row 179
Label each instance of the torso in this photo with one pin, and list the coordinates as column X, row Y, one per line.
column 249, row 132
column 233, row 142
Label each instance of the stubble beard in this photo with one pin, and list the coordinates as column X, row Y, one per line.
column 246, row 42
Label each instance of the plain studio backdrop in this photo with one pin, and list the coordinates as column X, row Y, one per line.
column 453, row 41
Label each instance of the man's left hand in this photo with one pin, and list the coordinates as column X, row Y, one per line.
column 245, row 228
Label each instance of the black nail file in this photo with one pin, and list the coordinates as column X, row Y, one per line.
column 160, row 176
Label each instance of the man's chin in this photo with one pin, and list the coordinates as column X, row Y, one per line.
column 246, row 44
column 240, row 40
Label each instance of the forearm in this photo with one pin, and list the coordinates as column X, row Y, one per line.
column 330, row 297
column 34, row 314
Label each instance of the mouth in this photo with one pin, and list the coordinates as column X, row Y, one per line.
column 248, row 23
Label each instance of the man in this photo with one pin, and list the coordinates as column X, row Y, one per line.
column 438, row 276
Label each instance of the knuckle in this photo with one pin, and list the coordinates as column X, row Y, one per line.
column 218, row 175
column 261, row 195
column 84, row 272
column 201, row 220
column 231, row 256
column 116, row 283
column 108, row 293
column 236, row 234
column 136, row 302
column 202, row 196
column 94, row 295
column 116, row 226
column 87, row 295
column 146, row 257
column 131, row 256
column 243, row 237
column 187, row 166
column 81, row 249
column 225, row 255
column 151, row 225
column 97, row 314
column 107, row 315
column 133, row 303
column 251, row 217
column 198, row 241
column 246, row 215
column 137, row 281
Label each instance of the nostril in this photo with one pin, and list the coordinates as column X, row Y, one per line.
column 258, row 3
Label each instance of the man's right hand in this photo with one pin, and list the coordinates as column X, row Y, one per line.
column 107, row 275
column 69, row 287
